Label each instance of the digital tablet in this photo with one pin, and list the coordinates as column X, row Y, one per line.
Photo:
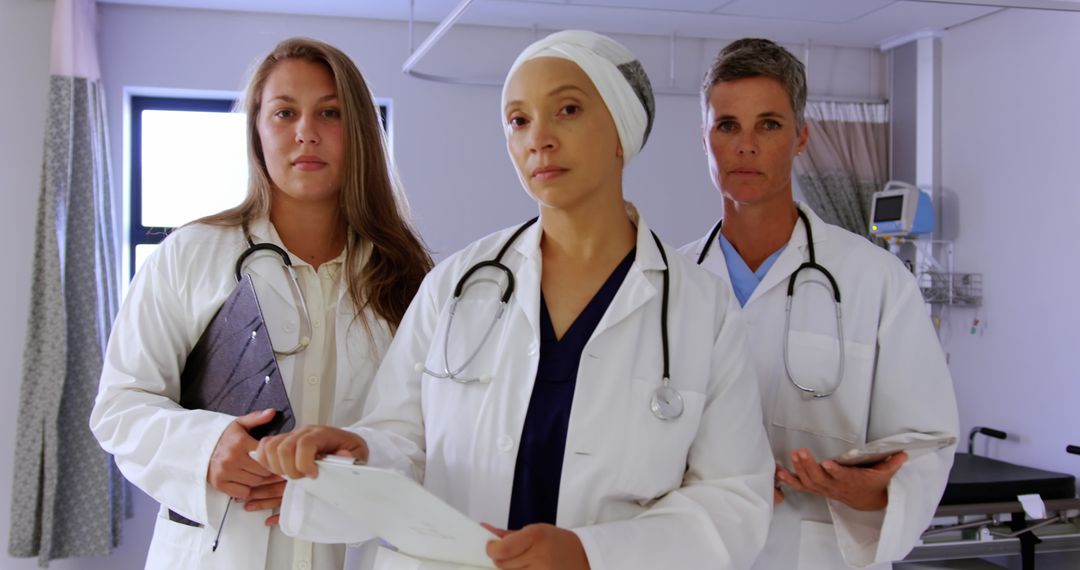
column 402, row 512
column 877, row 451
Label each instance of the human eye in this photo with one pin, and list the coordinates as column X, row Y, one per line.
column 283, row 113
column 517, row 121
column 570, row 109
column 771, row 125
column 331, row 113
column 726, row 126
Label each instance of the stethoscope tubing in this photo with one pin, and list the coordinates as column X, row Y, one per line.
column 459, row 289
column 835, row 290
column 669, row 394
column 305, row 316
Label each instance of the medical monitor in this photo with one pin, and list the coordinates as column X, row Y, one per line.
column 901, row 209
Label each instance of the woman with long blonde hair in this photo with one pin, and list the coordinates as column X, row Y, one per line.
column 322, row 197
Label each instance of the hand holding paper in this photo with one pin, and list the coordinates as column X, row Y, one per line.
column 539, row 546
column 293, row 454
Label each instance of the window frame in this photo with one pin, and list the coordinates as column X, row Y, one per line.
column 138, row 234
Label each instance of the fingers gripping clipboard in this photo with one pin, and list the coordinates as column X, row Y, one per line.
column 403, row 513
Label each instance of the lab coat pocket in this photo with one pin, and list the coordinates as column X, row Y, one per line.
column 654, row 461
column 174, row 545
column 817, row 547
column 814, row 362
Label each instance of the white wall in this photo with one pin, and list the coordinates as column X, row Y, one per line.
column 1011, row 154
column 448, row 141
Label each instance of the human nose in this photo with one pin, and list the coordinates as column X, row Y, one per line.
column 306, row 131
column 746, row 145
column 541, row 137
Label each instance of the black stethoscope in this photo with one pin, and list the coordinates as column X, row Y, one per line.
column 834, row 289
column 666, row 402
column 305, row 316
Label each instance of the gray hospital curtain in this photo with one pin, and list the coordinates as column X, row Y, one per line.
column 68, row 498
column 845, row 161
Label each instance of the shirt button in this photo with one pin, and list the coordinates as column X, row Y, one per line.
column 505, row 443
column 313, row 380
column 316, row 323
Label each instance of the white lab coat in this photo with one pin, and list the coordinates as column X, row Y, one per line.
column 165, row 450
column 895, row 382
column 695, row 492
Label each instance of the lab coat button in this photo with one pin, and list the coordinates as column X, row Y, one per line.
column 505, row 443
column 303, row 565
column 533, row 348
column 290, row 327
column 313, row 380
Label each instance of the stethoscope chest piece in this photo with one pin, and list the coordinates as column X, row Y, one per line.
column 667, row 403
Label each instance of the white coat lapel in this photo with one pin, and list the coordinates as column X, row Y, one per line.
column 638, row 287
column 714, row 261
column 527, row 275
column 790, row 259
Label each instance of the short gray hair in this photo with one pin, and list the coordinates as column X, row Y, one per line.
column 757, row 57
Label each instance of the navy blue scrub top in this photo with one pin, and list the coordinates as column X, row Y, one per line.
column 535, row 495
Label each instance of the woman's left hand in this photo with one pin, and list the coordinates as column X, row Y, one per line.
column 537, row 546
column 861, row 488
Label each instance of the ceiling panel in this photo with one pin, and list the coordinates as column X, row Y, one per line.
column 895, row 19
column 793, row 21
column 815, row 11
column 695, row 6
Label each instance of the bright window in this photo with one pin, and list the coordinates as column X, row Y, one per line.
column 187, row 161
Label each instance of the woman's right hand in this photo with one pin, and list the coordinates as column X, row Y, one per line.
column 293, row 454
column 232, row 470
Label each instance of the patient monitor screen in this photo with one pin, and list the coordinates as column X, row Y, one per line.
column 888, row 208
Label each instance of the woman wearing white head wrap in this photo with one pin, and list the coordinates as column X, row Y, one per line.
column 620, row 79
column 608, row 418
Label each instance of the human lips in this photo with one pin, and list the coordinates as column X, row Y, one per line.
column 548, row 172
column 308, row 163
column 744, row 172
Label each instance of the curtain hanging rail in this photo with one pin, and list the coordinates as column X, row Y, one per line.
column 433, row 38
column 409, row 67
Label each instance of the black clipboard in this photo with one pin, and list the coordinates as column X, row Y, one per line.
column 232, row 368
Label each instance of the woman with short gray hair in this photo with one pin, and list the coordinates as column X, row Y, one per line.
column 831, row 379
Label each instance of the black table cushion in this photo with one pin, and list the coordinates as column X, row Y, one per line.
column 977, row 479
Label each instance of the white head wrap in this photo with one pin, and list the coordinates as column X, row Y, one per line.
column 620, row 79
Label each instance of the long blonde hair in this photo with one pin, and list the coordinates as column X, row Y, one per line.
column 372, row 205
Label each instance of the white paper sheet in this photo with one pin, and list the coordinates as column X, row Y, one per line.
column 402, row 512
